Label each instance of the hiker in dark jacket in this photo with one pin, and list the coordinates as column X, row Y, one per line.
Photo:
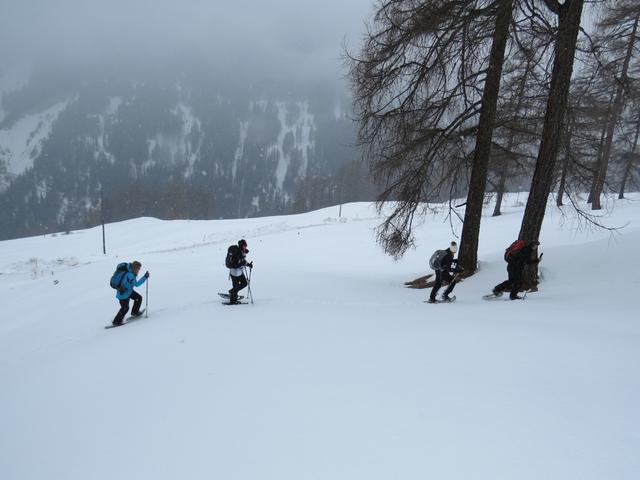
column 237, row 265
column 445, row 273
column 516, row 261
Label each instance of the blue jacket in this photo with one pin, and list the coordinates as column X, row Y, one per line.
column 128, row 283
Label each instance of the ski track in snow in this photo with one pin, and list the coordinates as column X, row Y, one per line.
column 336, row 372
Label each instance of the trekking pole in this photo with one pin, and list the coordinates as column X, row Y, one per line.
column 146, row 300
column 249, row 282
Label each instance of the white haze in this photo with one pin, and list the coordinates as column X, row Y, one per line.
column 287, row 37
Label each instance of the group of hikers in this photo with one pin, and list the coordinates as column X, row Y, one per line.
column 446, row 268
column 125, row 279
column 518, row 255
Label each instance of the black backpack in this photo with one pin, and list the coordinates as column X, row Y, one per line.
column 234, row 257
column 118, row 276
column 435, row 262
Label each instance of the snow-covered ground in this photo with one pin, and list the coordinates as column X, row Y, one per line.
column 336, row 372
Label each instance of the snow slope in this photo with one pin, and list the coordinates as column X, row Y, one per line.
column 22, row 142
column 336, row 372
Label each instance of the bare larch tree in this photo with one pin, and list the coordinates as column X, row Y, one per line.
column 417, row 87
column 569, row 16
column 468, row 256
column 618, row 39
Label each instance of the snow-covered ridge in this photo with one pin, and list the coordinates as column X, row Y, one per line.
column 22, row 142
column 294, row 139
column 105, row 121
column 224, row 155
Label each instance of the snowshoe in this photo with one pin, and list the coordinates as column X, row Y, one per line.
column 491, row 296
column 227, row 296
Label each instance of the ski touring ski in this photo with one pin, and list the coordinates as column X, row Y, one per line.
column 130, row 319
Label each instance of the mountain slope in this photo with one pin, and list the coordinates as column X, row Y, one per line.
column 336, row 371
column 76, row 148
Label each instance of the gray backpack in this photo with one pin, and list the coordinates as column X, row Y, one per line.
column 435, row 262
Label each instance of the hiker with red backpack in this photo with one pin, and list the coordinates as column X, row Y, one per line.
column 518, row 255
column 442, row 263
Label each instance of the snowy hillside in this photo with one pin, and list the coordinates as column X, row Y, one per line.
column 337, row 371
column 213, row 150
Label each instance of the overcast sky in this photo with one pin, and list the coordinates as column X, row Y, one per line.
column 284, row 35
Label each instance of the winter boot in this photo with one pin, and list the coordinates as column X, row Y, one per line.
column 497, row 293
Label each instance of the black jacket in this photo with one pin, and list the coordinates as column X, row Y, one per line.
column 446, row 265
column 525, row 255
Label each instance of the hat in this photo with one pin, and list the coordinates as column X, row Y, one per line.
column 242, row 243
column 453, row 247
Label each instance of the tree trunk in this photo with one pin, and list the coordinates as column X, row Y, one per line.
column 500, row 191
column 468, row 256
column 522, row 85
column 565, row 164
column 630, row 161
column 569, row 15
column 598, row 156
column 563, row 182
column 601, row 171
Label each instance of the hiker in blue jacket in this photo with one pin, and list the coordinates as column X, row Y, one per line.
column 126, row 292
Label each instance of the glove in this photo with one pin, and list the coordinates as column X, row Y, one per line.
column 146, row 275
column 250, row 264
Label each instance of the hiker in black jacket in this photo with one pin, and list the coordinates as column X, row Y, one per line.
column 444, row 273
column 237, row 263
column 516, row 261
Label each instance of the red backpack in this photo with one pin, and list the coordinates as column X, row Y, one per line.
column 514, row 247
